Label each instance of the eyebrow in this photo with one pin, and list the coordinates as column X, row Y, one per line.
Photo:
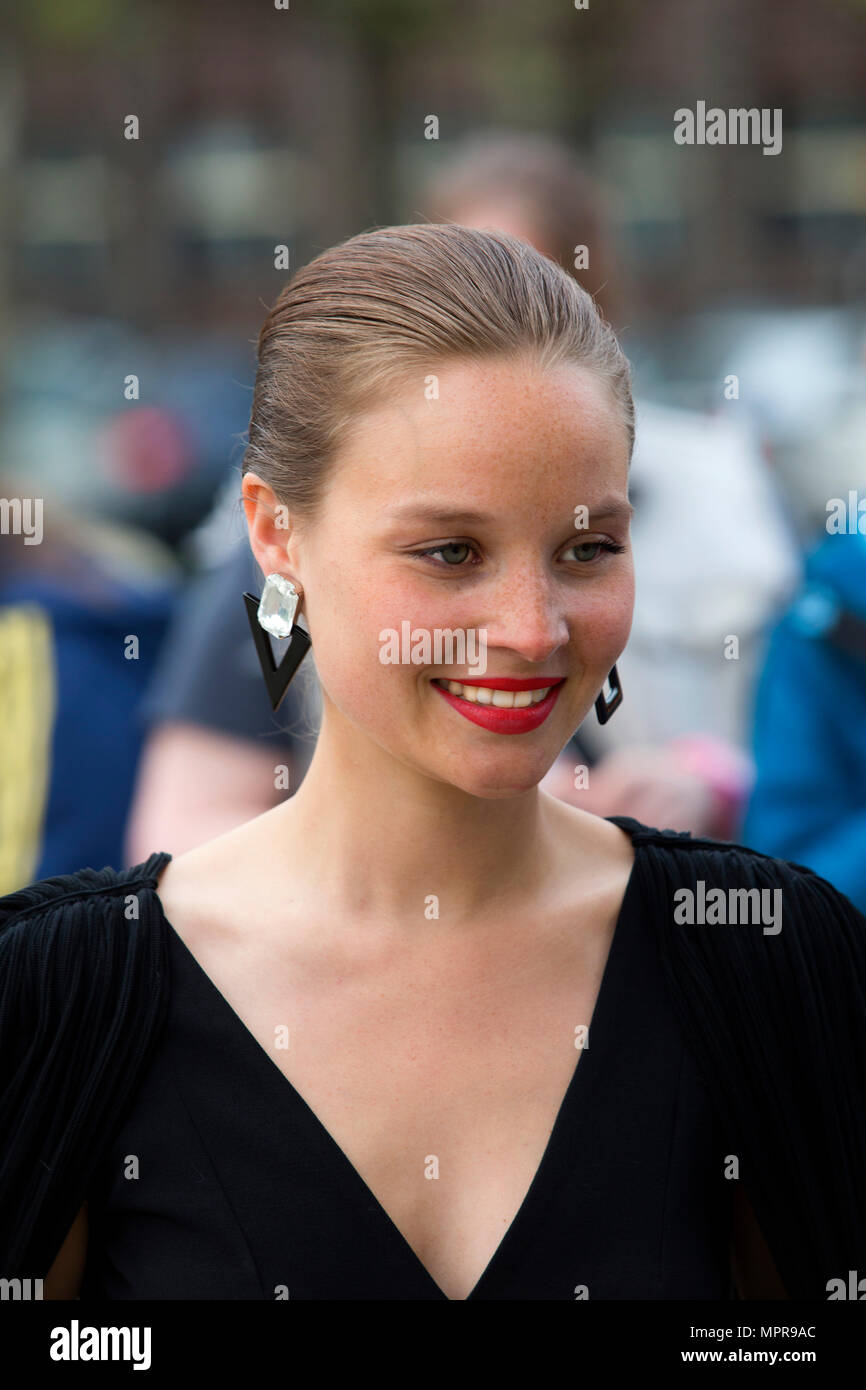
column 432, row 511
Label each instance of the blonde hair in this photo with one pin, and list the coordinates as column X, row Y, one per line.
column 365, row 316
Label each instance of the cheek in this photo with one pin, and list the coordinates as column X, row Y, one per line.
column 346, row 623
column 603, row 620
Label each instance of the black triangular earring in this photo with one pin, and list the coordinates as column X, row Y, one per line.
column 605, row 705
column 277, row 677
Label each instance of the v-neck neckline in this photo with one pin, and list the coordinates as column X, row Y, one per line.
column 600, row 1030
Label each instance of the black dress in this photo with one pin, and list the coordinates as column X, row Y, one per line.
column 127, row 1079
column 241, row 1192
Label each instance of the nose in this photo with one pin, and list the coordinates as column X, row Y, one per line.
column 527, row 616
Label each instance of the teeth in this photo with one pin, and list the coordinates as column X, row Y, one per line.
column 500, row 699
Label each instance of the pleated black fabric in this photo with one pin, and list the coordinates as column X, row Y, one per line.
column 83, row 998
column 777, row 1024
column 771, row 1031
column 240, row 1191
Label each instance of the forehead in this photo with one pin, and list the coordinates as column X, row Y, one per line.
column 495, row 431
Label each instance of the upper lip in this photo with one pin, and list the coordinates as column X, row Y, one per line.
column 508, row 682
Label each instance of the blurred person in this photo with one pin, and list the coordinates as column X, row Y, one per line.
column 529, row 1022
column 84, row 609
column 809, row 799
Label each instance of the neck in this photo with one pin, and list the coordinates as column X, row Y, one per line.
column 379, row 837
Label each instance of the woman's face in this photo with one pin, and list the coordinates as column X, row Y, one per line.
column 525, row 450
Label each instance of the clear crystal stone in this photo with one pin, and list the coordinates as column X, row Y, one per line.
column 278, row 605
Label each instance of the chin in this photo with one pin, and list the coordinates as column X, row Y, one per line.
column 495, row 783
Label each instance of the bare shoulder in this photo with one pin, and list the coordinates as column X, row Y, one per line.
column 213, row 893
column 613, row 845
column 591, row 837
column 208, row 892
column 596, row 856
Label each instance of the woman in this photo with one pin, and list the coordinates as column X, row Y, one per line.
column 423, row 1031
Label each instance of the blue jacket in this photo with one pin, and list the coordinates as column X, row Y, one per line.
column 70, row 737
column 809, row 800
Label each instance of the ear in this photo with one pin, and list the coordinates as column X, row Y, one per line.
column 272, row 532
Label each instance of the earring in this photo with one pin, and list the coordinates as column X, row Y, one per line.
column 275, row 613
column 605, row 705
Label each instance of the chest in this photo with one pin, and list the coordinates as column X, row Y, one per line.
column 441, row 1085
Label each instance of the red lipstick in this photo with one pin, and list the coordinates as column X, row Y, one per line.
column 506, row 721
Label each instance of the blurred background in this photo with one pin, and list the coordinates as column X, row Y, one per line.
column 154, row 161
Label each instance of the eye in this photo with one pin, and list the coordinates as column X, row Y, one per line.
column 451, row 560
column 595, row 546
column 455, row 553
